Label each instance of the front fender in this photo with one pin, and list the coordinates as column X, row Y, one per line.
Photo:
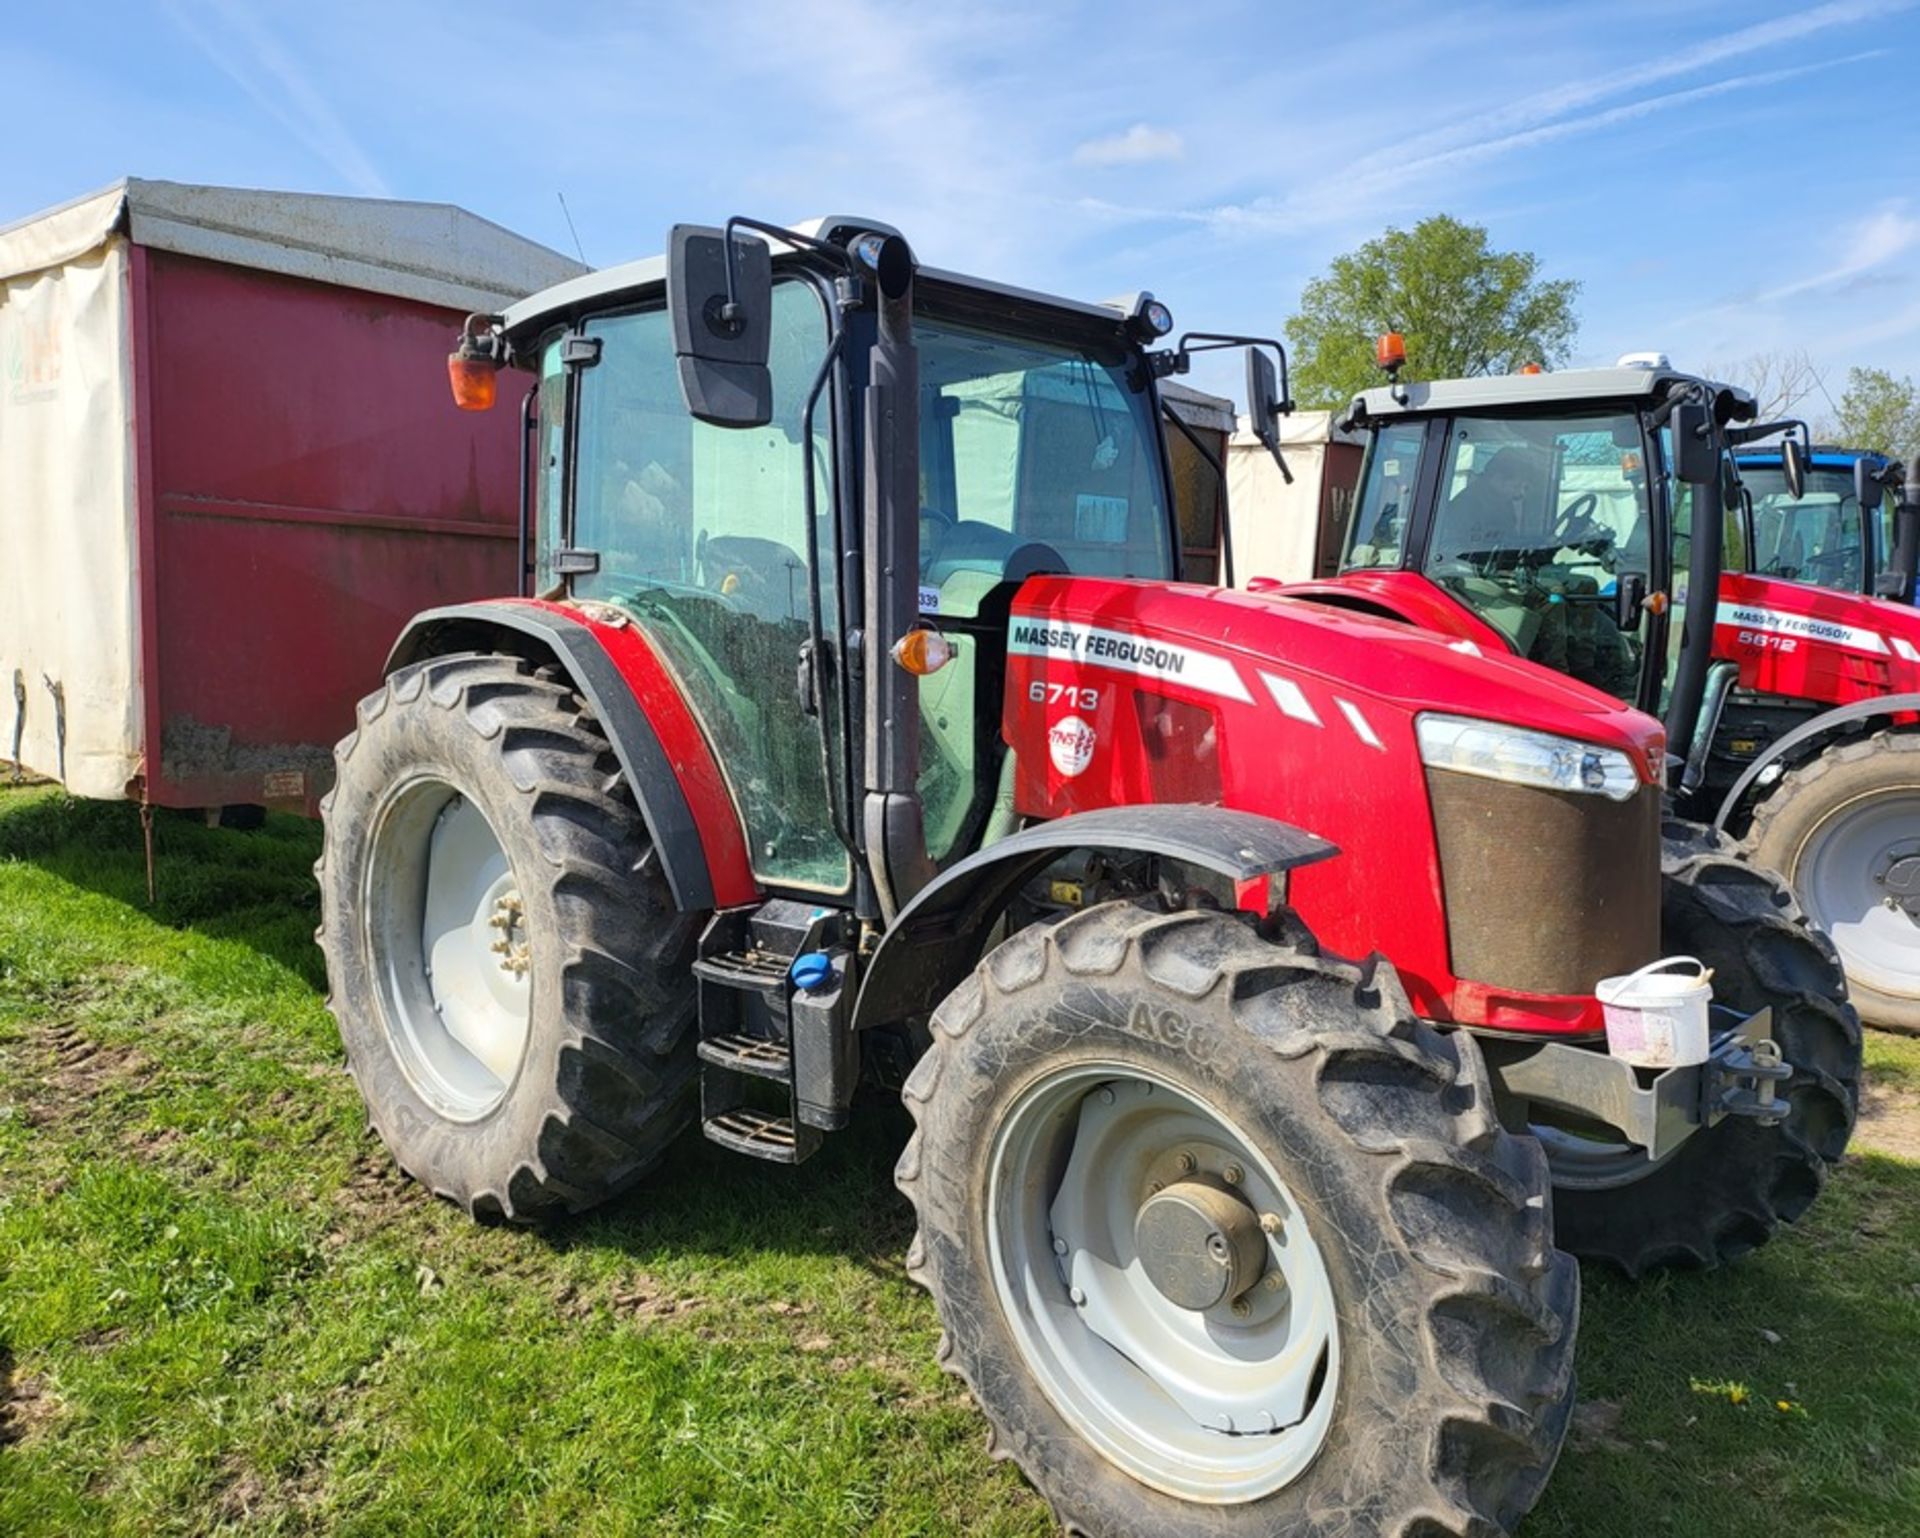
column 1807, row 731
column 678, row 784
column 940, row 935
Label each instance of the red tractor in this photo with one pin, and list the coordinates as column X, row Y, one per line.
column 1550, row 516
column 1237, row 956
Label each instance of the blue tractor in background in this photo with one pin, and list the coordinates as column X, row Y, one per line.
column 1825, row 537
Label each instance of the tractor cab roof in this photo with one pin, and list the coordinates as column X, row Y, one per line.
column 1524, row 392
column 1825, row 456
column 639, row 280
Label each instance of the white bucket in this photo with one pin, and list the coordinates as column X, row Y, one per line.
column 1656, row 1018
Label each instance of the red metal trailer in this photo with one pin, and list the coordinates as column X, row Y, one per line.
column 223, row 489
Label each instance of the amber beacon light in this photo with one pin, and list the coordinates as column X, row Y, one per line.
column 472, row 368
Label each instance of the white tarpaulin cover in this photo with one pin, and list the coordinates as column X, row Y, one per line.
column 1275, row 525
column 68, row 605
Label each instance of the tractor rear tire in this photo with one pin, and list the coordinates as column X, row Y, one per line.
column 1830, row 826
column 510, row 977
column 1729, row 1187
column 1402, row 1221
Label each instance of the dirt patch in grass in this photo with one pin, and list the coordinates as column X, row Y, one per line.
column 25, row 1405
column 1889, row 1122
column 375, row 1196
column 72, row 1071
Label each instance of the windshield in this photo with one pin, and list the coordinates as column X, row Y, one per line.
column 1033, row 456
column 1816, row 539
column 1538, row 519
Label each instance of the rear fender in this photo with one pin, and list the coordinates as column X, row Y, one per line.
column 1888, row 708
column 941, row 934
column 681, row 791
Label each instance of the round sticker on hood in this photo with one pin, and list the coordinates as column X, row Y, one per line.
column 1070, row 745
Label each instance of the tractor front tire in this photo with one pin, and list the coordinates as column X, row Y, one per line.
column 510, row 977
column 1844, row 829
column 1121, row 1109
column 1728, row 1187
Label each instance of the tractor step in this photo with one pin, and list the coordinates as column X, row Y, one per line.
column 754, row 971
column 777, row 1056
column 749, row 1054
column 762, row 1135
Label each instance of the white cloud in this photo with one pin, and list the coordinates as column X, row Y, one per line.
column 1503, row 127
column 1865, row 244
column 1138, row 145
column 247, row 53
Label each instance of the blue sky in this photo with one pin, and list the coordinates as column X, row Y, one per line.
column 1723, row 179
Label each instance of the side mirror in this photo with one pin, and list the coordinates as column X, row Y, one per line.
column 1263, row 404
column 1696, row 457
column 1793, row 464
column 721, row 328
column 1866, row 486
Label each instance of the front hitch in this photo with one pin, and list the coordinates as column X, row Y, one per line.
column 1656, row 1112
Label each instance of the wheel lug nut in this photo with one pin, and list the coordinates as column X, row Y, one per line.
column 1269, row 1223
column 1077, row 1297
column 1233, row 1174
column 1241, row 1308
column 1187, row 1164
column 1273, row 1281
column 1059, row 1246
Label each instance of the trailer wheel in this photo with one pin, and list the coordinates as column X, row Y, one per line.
column 1726, row 1189
column 1225, row 1243
column 509, row 974
column 1844, row 829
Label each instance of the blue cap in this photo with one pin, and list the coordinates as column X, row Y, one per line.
column 812, row 970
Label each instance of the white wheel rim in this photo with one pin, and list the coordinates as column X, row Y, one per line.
column 1842, row 874
column 1220, row 1406
column 453, row 960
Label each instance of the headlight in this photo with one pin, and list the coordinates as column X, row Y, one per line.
column 1521, row 757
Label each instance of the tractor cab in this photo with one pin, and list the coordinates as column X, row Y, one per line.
column 1555, row 516
column 1827, row 536
column 737, row 547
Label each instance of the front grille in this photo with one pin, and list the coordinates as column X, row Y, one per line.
column 1547, row 891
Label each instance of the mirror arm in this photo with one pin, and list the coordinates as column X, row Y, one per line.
column 1753, row 432
column 1220, row 341
column 730, row 311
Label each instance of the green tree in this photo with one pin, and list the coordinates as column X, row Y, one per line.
column 1880, row 412
column 1464, row 308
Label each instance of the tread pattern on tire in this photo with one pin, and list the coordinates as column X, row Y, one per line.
column 1471, row 1203
column 627, row 1068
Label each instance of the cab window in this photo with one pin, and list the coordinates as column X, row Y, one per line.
column 1537, row 519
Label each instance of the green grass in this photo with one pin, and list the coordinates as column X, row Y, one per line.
column 219, row 1311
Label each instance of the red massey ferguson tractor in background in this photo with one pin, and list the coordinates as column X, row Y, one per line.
column 852, row 724
column 1552, row 516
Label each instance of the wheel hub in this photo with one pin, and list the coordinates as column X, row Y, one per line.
column 509, row 916
column 1898, row 870
column 1176, row 1285
column 454, row 951
column 1199, row 1244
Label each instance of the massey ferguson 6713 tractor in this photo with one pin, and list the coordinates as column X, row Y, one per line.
column 1238, row 955
column 1552, row 516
